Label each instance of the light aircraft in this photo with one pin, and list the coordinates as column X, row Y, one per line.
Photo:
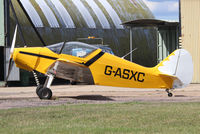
column 84, row 63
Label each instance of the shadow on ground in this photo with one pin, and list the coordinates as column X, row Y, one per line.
column 180, row 96
column 92, row 97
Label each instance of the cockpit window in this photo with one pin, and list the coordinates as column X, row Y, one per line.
column 78, row 49
column 56, row 48
column 105, row 48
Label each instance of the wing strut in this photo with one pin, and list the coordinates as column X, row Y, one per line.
column 29, row 19
column 17, row 21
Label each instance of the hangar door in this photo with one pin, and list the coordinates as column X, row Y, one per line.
column 1, row 40
column 167, row 41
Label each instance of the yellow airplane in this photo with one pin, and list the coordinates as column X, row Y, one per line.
column 84, row 63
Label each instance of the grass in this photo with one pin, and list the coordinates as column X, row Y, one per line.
column 135, row 117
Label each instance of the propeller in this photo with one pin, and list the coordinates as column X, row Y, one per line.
column 11, row 62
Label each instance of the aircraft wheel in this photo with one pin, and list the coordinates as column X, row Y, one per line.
column 73, row 82
column 170, row 94
column 38, row 88
column 45, row 93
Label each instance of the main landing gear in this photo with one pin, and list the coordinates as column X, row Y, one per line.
column 44, row 91
column 169, row 93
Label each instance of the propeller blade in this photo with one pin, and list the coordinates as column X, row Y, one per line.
column 10, row 65
column 13, row 41
column 11, row 62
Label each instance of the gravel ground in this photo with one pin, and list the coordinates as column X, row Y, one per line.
column 17, row 97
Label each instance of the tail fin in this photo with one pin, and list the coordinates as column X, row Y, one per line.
column 179, row 65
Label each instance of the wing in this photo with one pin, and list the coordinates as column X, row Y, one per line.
column 70, row 70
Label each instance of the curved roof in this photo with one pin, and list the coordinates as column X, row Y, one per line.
column 103, row 14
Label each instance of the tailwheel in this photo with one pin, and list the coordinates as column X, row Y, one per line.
column 169, row 93
column 73, row 82
column 45, row 93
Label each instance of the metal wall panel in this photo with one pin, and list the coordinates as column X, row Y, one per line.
column 1, row 23
column 190, row 25
column 167, row 42
column 14, row 74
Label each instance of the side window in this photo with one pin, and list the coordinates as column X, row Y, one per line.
column 81, row 52
column 77, row 49
column 67, row 49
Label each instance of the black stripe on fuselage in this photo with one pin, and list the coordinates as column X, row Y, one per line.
column 95, row 58
column 39, row 55
column 88, row 63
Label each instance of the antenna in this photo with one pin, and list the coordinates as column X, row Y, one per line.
column 129, row 53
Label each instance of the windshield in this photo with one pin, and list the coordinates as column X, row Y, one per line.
column 56, row 48
column 78, row 49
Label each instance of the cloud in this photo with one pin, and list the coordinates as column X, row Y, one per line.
column 164, row 8
column 174, row 7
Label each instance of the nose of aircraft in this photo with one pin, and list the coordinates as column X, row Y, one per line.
column 26, row 58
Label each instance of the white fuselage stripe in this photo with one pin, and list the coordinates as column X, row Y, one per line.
column 48, row 13
column 101, row 17
column 35, row 18
column 64, row 14
column 112, row 13
column 85, row 13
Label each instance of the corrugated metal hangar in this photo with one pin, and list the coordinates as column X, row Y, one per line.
column 190, row 27
column 61, row 20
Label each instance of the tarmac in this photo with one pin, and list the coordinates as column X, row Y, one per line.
column 17, row 97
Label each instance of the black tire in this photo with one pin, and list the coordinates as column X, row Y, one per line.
column 73, row 83
column 170, row 94
column 38, row 88
column 45, row 93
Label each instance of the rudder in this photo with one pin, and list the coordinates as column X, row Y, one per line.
column 178, row 64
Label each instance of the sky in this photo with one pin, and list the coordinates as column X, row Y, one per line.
column 164, row 9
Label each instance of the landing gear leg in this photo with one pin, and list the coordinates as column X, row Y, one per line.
column 37, row 82
column 169, row 93
column 44, row 92
column 36, row 78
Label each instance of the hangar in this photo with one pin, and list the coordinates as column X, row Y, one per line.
column 61, row 20
column 190, row 30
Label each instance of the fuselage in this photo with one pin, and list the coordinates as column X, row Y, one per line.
column 106, row 69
